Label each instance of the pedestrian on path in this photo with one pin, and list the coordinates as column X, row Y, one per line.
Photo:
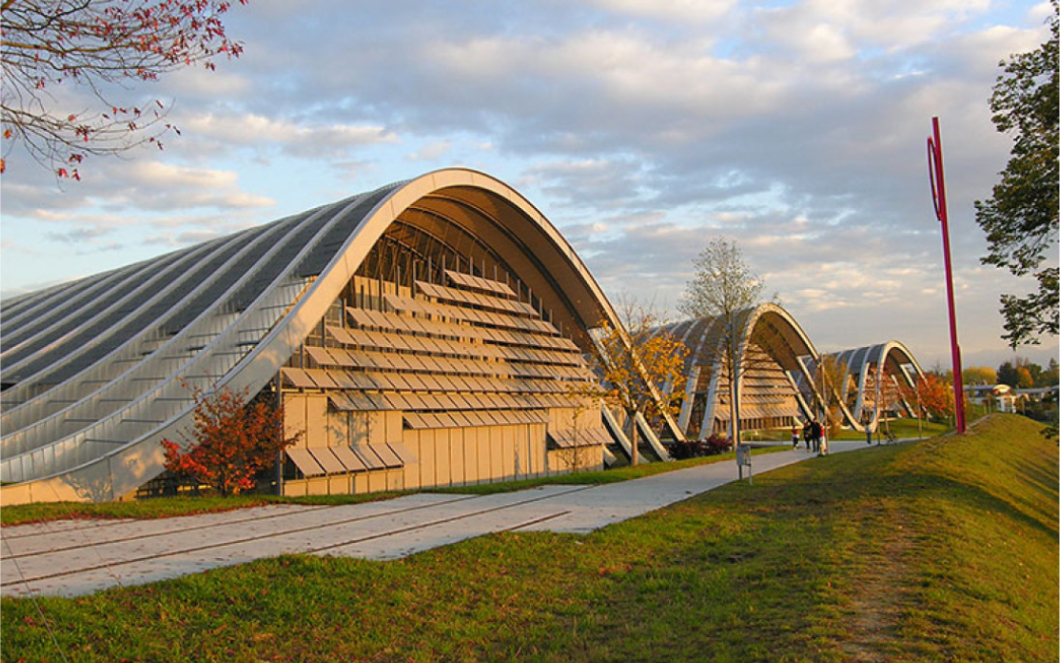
column 795, row 435
column 807, row 435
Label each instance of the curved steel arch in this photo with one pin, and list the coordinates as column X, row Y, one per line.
column 794, row 352
column 256, row 322
column 705, row 338
column 860, row 362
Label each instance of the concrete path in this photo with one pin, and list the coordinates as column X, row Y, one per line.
column 76, row 557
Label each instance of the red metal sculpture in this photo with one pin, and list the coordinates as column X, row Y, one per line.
column 938, row 193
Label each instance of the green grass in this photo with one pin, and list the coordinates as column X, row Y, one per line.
column 167, row 507
column 944, row 550
column 905, row 429
column 902, row 428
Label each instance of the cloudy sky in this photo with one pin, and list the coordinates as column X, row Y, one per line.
column 641, row 128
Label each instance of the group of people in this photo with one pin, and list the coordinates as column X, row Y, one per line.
column 812, row 435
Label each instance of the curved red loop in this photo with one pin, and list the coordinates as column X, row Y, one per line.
column 932, row 157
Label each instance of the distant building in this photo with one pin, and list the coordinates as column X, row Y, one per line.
column 1038, row 394
column 999, row 397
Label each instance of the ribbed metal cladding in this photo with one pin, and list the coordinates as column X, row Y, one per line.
column 100, row 316
column 56, row 318
column 177, row 307
column 15, row 312
column 81, row 398
column 301, row 235
column 331, row 242
column 51, row 300
column 226, row 314
column 96, row 340
column 221, row 280
column 132, row 355
column 38, row 452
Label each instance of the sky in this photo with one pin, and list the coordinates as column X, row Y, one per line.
column 642, row 129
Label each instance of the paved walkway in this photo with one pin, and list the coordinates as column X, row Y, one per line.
column 76, row 557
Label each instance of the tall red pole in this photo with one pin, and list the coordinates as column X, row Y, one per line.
column 938, row 192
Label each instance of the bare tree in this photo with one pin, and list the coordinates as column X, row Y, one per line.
column 97, row 45
column 586, row 397
column 830, row 377
column 723, row 287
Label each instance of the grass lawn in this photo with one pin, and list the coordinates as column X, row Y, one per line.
column 944, row 550
column 166, row 507
column 903, row 429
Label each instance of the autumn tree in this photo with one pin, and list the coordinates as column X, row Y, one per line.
column 231, row 443
column 98, row 46
column 723, row 287
column 639, row 366
column 979, row 375
column 1021, row 373
column 1020, row 220
column 932, row 395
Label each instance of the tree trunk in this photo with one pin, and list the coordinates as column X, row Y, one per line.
column 634, row 453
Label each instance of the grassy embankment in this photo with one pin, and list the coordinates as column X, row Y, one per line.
column 944, row 550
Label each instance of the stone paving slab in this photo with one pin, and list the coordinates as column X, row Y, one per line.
column 71, row 558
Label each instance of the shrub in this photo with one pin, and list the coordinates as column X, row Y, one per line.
column 232, row 442
column 687, row 449
column 718, row 444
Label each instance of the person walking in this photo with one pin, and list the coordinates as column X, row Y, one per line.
column 807, row 435
column 816, row 433
column 795, row 435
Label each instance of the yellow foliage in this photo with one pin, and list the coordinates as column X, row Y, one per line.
column 642, row 368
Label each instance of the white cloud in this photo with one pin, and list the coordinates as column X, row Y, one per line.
column 695, row 11
column 640, row 128
column 432, row 152
column 294, row 138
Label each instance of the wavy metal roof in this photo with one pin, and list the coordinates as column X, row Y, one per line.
column 97, row 371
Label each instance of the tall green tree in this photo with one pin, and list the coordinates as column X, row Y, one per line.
column 1008, row 373
column 1020, row 220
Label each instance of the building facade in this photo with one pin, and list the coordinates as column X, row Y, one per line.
column 783, row 381
column 433, row 332
column 430, row 333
